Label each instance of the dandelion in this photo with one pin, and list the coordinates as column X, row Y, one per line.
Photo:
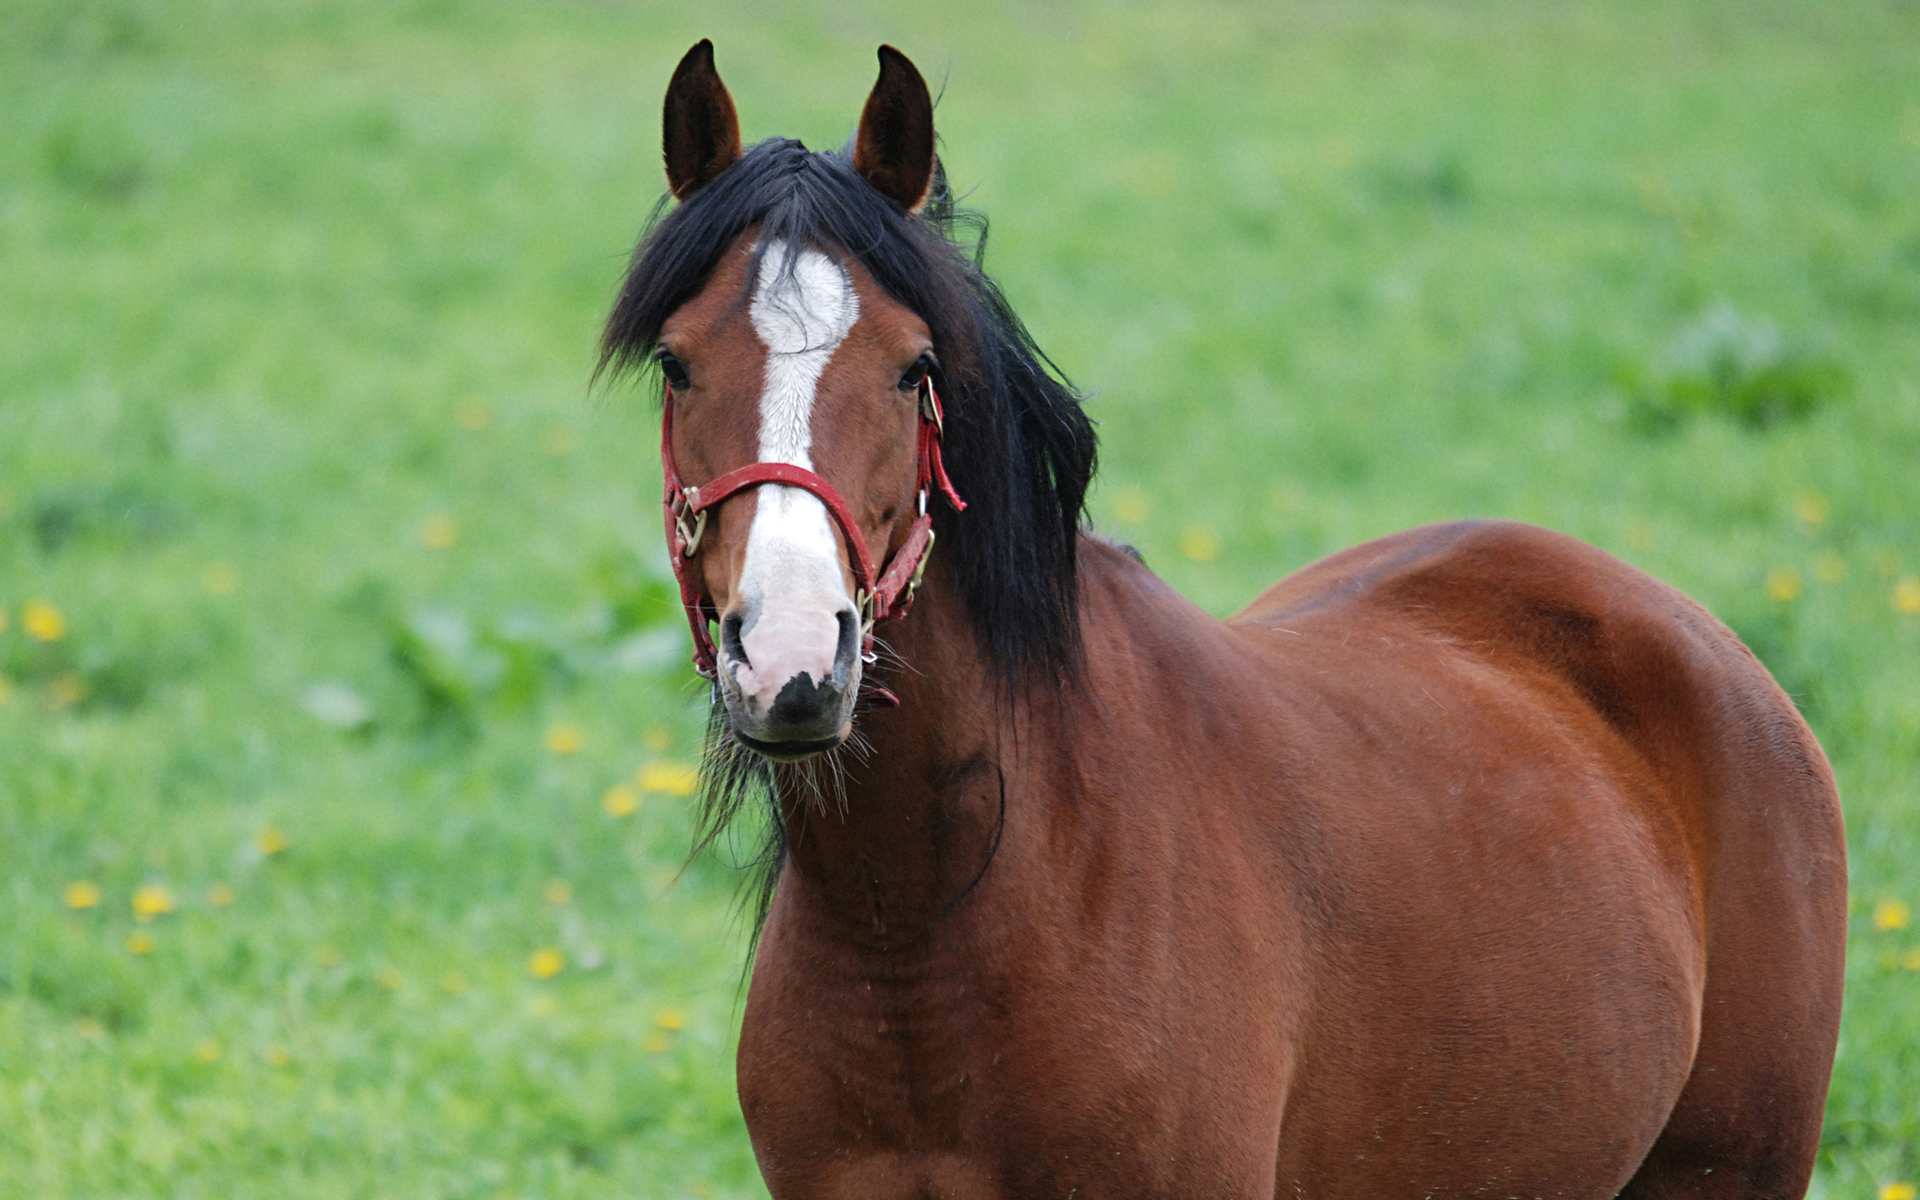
column 277, row 1056
column 1783, row 584
column 388, row 978
column 139, row 942
column 1898, row 1191
column 87, row 1027
column 1830, row 568
column 473, row 416
column 152, row 900
column 1132, row 505
column 43, row 622
column 80, row 894
column 221, row 579
column 671, row 1018
column 672, row 778
column 559, row 442
column 271, row 840
column 565, row 739
column 1199, row 543
column 1811, row 507
column 620, row 801
column 1891, row 914
column 1906, row 596
column 656, row 1043
column 659, row 738
column 207, row 1051
column 546, row 962
column 68, row 690
column 558, row 891
column 219, row 895
column 454, row 982
column 1910, row 961
column 439, row 532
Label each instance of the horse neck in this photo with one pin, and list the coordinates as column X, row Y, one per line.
column 920, row 814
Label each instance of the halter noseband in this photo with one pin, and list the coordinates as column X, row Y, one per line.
column 881, row 596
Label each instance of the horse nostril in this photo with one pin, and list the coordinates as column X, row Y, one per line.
column 730, row 640
column 849, row 644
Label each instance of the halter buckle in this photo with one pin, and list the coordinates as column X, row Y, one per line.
column 920, row 568
column 930, row 407
column 690, row 534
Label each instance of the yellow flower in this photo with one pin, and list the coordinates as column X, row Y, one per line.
column 659, row 738
column 546, row 962
column 68, row 690
column 270, row 841
column 219, row 895
column 565, row 739
column 1199, row 543
column 559, row 441
column 1811, row 507
column 221, row 579
column 473, row 416
column 151, row 900
column 1898, row 1191
column 140, row 942
column 1906, row 595
column 620, row 801
column 277, row 1056
column 670, row 1018
column 656, row 1043
column 558, row 891
column 388, row 978
column 454, row 982
column 438, row 532
column 207, row 1051
column 673, row 778
column 1910, row 960
column 87, row 1027
column 80, row 894
column 43, row 622
column 1132, row 505
column 1830, row 567
column 1891, row 914
column 1783, row 584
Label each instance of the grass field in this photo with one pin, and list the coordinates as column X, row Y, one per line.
column 342, row 711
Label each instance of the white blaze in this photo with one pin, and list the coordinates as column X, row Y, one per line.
column 791, row 579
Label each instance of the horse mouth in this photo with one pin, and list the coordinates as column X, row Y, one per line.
column 788, row 752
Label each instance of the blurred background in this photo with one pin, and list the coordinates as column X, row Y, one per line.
column 345, row 731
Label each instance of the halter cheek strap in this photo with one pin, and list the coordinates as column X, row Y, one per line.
column 880, row 597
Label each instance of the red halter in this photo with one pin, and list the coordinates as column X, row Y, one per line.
column 879, row 597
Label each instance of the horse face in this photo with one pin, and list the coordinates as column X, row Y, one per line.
column 816, row 367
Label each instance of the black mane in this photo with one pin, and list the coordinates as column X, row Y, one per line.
column 1017, row 444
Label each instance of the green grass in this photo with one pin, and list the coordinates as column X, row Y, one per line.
column 1649, row 274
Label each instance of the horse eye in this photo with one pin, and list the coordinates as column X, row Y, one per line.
column 916, row 372
column 674, row 371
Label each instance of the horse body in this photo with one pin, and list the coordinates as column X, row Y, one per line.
column 1466, row 862
column 1428, row 874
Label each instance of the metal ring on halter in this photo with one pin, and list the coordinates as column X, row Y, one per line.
column 920, row 568
column 863, row 600
column 690, row 537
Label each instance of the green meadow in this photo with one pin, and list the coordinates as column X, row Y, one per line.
column 344, row 714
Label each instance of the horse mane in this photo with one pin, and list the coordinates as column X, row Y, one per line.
column 1017, row 443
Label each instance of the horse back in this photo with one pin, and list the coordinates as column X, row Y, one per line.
column 1573, row 776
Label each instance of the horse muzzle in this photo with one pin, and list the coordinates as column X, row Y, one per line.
column 789, row 675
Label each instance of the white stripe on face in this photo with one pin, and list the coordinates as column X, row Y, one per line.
column 791, row 580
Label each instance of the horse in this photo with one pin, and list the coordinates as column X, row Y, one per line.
column 1468, row 861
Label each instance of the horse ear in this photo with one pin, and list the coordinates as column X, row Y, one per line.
column 894, row 150
column 701, row 137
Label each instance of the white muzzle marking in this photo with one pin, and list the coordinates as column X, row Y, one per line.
column 791, row 584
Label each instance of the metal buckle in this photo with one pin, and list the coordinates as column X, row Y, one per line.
column 920, row 568
column 928, row 408
column 689, row 534
column 864, row 601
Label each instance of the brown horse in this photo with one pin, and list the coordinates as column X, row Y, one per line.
column 1470, row 861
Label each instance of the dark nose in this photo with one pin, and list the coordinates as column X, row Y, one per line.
column 802, row 708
